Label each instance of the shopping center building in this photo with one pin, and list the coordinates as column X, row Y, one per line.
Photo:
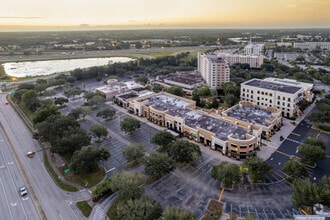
column 236, row 132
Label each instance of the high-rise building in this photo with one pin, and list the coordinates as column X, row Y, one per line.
column 283, row 94
column 214, row 70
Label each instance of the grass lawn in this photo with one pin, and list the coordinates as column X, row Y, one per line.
column 55, row 177
column 85, row 208
column 84, row 179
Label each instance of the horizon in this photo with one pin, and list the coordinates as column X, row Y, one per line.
column 145, row 14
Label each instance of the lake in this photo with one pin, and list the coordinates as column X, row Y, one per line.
column 43, row 68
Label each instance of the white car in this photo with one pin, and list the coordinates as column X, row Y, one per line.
column 23, row 192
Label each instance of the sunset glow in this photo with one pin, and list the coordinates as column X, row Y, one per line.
column 167, row 13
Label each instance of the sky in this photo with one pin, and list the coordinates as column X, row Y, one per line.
column 167, row 13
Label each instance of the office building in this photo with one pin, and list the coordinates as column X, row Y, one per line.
column 283, row 94
column 214, row 70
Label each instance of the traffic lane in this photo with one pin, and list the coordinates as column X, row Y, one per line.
column 46, row 193
column 11, row 181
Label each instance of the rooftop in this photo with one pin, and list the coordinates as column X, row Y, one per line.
column 250, row 114
column 128, row 95
column 272, row 86
column 221, row 128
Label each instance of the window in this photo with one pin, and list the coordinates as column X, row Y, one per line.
column 258, row 98
column 288, row 104
column 258, row 92
column 278, row 97
column 289, row 99
column 283, row 98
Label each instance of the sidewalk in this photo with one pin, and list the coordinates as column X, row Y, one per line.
column 285, row 131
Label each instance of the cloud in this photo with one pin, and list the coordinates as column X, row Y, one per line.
column 18, row 17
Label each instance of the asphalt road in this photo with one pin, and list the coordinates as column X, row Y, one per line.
column 50, row 201
column 12, row 205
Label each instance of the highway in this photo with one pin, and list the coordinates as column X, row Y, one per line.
column 12, row 205
column 49, row 200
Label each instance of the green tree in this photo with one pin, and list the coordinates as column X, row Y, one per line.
column 324, row 191
column 134, row 152
column 73, row 92
column 87, row 159
column 30, row 100
column 176, row 90
column 143, row 80
column 72, row 139
column 43, row 113
column 163, row 139
column 227, row 173
column 157, row 88
column 231, row 88
column 304, row 193
column 139, row 209
column 128, row 185
column 230, row 100
column 60, row 101
column 317, row 117
column 184, row 151
column 106, row 113
column 99, row 131
column 80, row 112
column 158, row 165
column 102, row 189
column 129, row 125
column 174, row 213
column 257, row 168
column 311, row 154
column 303, row 104
column 203, row 91
column 96, row 101
column 294, row 169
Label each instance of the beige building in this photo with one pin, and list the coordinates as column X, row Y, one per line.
column 283, row 94
column 214, row 70
column 312, row 45
column 253, row 60
column 237, row 137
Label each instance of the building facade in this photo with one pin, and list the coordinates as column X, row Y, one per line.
column 312, row 45
column 253, row 61
column 237, row 137
column 214, row 70
column 281, row 94
column 254, row 49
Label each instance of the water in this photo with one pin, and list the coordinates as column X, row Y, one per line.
column 42, row 68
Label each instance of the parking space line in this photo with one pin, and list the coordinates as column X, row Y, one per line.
column 295, row 134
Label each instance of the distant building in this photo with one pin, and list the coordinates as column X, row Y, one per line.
column 114, row 88
column 253, row 61
column 188, row 81
column 254, row 49
column 283, row 94
column 312, row 45
column 214, row 70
